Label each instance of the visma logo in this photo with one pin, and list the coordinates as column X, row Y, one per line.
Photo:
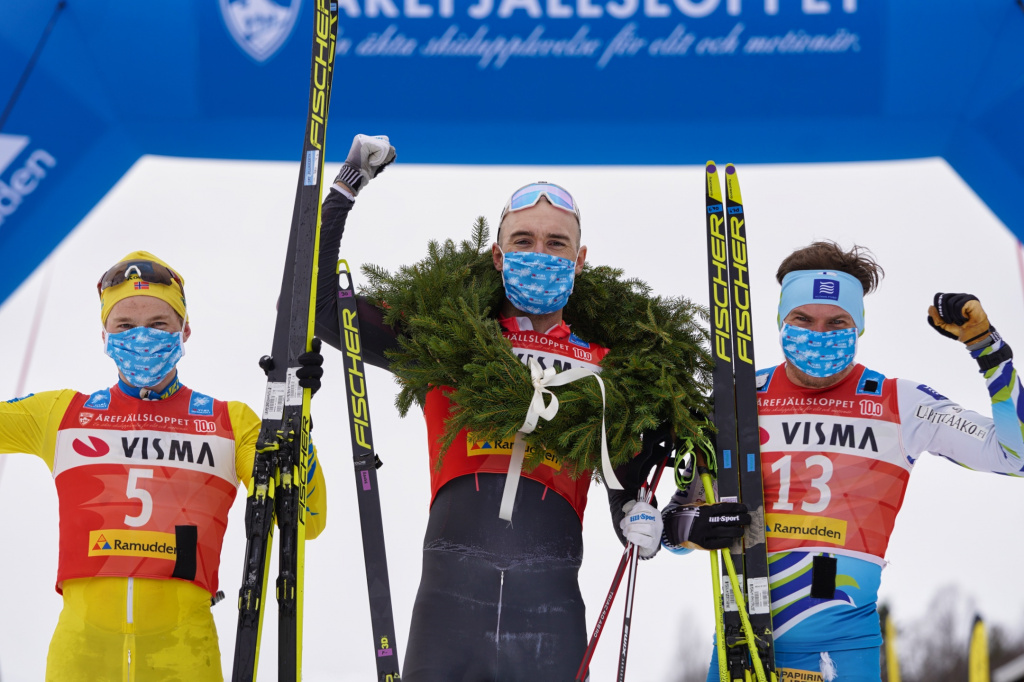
column 96, row 447
column 260, row 27
column 22, row 181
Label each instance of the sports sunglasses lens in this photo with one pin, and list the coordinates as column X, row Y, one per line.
column 147, row 271
column 560, row 199
column 524, row 199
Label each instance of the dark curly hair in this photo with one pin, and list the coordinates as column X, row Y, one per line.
column 827, row 255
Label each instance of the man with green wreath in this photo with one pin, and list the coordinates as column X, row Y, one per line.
column 501, row 600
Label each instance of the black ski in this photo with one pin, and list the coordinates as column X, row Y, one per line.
column 278, row 488
column 755, row 549
column 382, row 621
column 737, row 449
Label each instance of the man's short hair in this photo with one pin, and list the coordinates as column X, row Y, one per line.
column 828, row 255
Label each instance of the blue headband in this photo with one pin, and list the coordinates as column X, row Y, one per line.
column 801, row 287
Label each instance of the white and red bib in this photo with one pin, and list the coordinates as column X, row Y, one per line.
column 130, row 473
column 833, row 463
column 558, row 348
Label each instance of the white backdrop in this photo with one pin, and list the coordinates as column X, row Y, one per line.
column 224, row 226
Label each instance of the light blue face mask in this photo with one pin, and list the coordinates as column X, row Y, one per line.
column 145, row 355
column 537, row 283
column 818, row 354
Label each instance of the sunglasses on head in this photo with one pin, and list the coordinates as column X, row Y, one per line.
column 528, row 196
column 143, row 270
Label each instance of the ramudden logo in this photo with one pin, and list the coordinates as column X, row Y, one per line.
column 139, row 543
column 260, row 27
column 811, row 528
column 97, row 447
column 23, row 180
column 504, row 447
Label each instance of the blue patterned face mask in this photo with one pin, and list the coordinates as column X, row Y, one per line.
column 537, row 283
column 145, row 355
column 818, row 354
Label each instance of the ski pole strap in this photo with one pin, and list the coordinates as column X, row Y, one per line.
column 542, row 379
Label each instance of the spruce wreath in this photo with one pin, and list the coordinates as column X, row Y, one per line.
column 444, row 310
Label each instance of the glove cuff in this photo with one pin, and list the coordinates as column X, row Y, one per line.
column 350, row 177
column 991, row 360
column 989, row 340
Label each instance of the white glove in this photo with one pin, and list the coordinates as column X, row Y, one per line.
column 367, row 157
column 642, row 525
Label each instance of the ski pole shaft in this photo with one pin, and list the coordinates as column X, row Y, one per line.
column 646, row 494
column 748, row 631
column 602, row 617
column 609, row 599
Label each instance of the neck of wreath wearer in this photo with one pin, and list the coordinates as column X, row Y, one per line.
column 541, row 323
column 167, row 387
column 804, row 380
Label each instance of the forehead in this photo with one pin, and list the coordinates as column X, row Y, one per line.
column 819, row 310
column 142, row 306
column 541, row 220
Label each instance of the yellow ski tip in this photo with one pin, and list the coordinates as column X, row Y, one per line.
column 732, row 184
column 710, row 167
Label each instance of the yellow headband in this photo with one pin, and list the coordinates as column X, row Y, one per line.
column 173, row 294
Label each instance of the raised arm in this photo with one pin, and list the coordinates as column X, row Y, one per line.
column 367, row 158
column 941, row 426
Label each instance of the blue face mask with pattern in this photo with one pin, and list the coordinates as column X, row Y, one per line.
column 818, row 354
column 537, row 283
column 145, row 355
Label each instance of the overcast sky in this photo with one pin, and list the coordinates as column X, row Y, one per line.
column 224, row 225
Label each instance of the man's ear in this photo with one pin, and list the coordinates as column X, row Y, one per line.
column 581, row 258
column 187, row 332
column 496, row 256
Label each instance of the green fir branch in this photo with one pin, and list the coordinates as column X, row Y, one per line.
column 444, row 307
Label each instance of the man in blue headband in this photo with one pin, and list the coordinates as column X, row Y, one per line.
column 838, row 443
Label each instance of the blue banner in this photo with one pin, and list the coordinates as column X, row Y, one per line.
column 91, row 87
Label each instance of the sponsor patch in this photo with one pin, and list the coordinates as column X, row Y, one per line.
column 504, row 447
column 763, row 378
column 578, row 341
column 932, row 392
column 826, row 289
column 100, row 400
column 800, row 527
column 96, row 447
column 871, row 408
column 794, row 675
column 953, row 420
column 141, row 543
column 18, row 400
column 200, row 405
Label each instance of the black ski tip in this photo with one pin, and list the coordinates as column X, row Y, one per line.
column 729, row 169
column 710, row 167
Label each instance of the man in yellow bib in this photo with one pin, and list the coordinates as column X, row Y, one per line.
column 146, row 471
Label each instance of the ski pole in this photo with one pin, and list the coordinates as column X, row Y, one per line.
column 748, row 631
column 646, row 493
column 609, row 599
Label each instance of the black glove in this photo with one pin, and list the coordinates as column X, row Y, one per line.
column 960, row 317
column 312, row 369
column 711, row 526
column 309, row 374
column 657, row 445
